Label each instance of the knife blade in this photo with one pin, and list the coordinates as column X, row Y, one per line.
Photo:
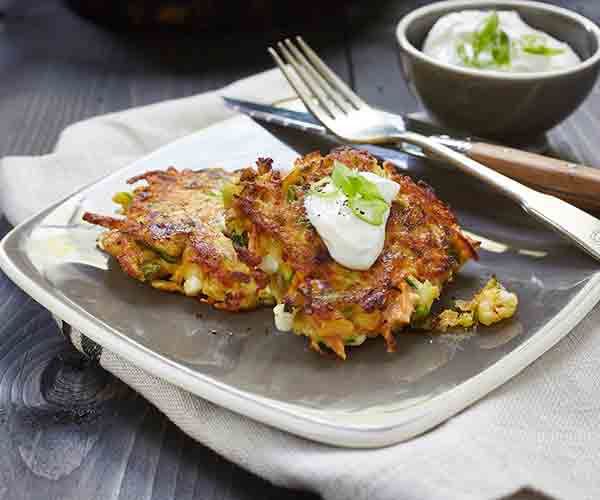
column 279, row 116
column 306, row 122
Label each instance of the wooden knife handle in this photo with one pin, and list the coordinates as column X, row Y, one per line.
column 577, row 184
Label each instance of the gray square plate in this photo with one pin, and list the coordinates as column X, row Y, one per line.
column 240, row 362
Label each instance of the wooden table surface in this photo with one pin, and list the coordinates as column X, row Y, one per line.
column 69, row 430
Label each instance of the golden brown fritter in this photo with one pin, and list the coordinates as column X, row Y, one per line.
column 171, row 236
column 331, row 304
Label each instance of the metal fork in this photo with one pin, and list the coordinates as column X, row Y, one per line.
column 350, row 118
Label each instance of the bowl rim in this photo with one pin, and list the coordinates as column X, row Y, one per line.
column 583, row 21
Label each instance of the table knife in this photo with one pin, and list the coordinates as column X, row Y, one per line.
column 577, row 184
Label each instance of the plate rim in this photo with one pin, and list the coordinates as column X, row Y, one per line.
column 312, row 424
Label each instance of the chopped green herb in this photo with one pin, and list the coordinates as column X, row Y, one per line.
column 501, row 52
column 150, row 269
column 543, row 51
column 291, row 194
column 491, row 47
column 352, row 183
column 355, row 339
column 287, row 274
column 371, row 211
column 317, row 189
column 535, row 44
column 167, row 257
column 364, row 199
column 491, row 41
column 366, row 188
column 341, row 176
column 487, row 36
column 427, row 294
column 461, row 50
column 322, row 183
column 413, row 282
column 163, row 255
column 303, row 220
column 240, row 239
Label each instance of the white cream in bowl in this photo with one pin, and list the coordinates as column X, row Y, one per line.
column 496, row 41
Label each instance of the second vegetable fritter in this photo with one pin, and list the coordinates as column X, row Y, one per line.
column 171, row 236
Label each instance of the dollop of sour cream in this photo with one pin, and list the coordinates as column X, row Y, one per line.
column 529, row 50
column 352, row 242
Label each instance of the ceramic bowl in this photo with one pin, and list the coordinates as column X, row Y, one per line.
column 495, row 104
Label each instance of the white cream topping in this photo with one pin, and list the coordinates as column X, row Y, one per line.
column 352, row 242
column 457, row 28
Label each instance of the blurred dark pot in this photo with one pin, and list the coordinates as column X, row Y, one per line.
column 205, row 15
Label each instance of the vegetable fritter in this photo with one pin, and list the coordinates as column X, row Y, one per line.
column 333, row 305
column 171, row 236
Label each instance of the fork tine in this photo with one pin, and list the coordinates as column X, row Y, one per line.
column 322, row 114
column 333, row 94
column 329, row 75
column 309, row 82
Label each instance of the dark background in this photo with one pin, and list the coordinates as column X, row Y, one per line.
column 69, row 430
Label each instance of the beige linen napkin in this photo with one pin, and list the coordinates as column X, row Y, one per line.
column 541, row 430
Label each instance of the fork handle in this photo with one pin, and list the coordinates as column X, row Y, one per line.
column 577, row 184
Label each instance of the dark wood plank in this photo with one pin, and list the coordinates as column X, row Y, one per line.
column 374, row 55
